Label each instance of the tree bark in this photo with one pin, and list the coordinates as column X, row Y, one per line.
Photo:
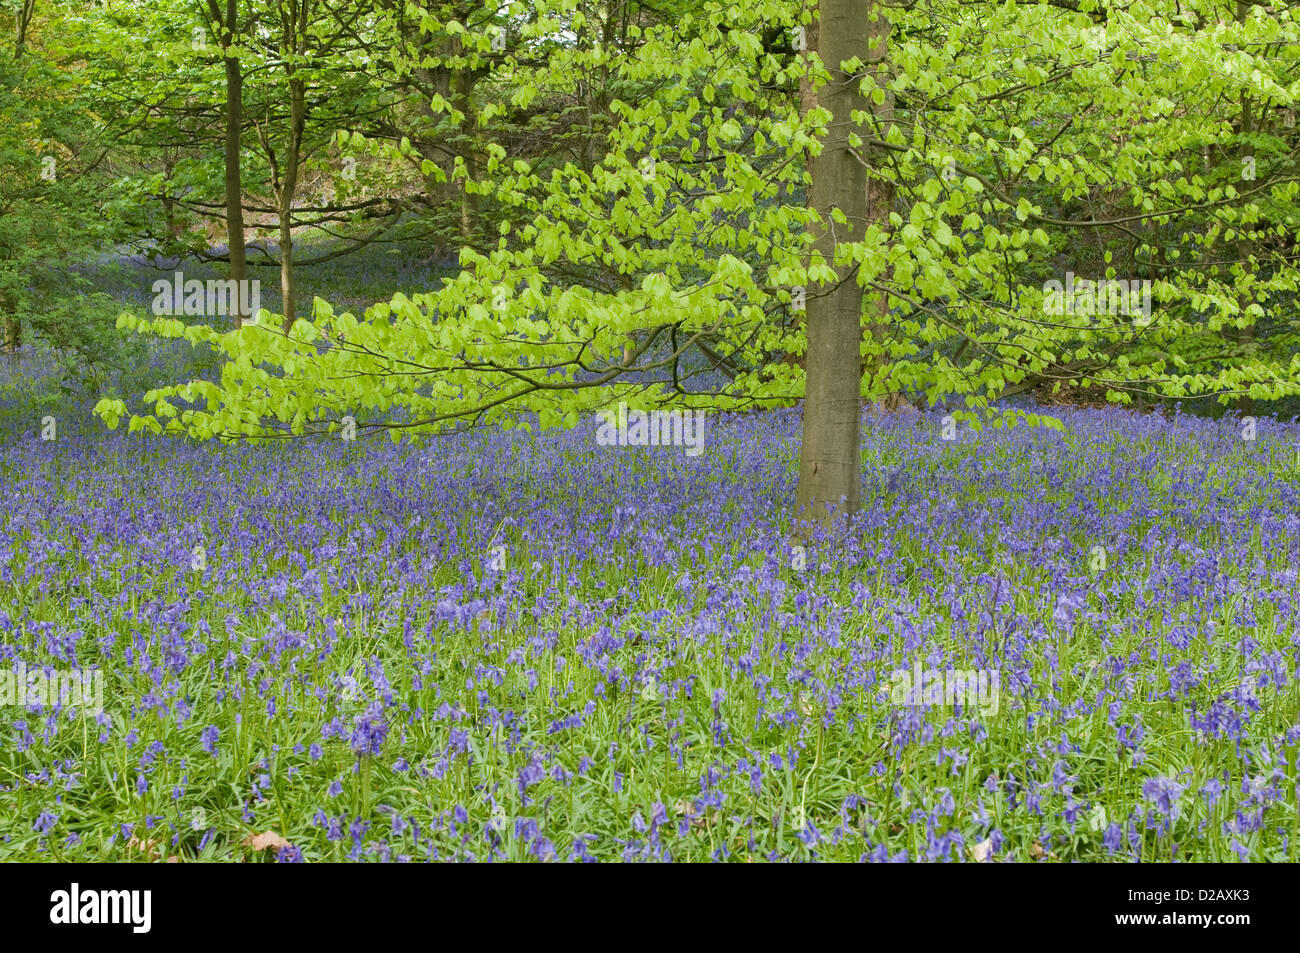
column 880, row 199
column 288, row 190
column 830, row 464
column 22, row 20
column 1245, row 336
column 234, row 175
column 295, row 18
column 13, row 339
column 464, row 85
column 13, row 325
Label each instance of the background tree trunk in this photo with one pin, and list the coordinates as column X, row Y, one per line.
column 464, row 86
column 1245, row 336
column 13, row 324
column 234, row 176
column 295, row 20
column 288, row 190
column 13, row 328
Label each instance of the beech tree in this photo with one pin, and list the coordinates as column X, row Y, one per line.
column 894, row 200
column 229, row 30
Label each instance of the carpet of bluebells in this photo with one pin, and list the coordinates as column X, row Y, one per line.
column 507, row 645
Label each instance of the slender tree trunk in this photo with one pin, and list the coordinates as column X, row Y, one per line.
column 288, row 191
column 464, row 84
column 286, row 272
column 587, row 93
column 1245, row 336
column 13, row 325
column 13, row 338
column 234, row 177
column 13, row 335
column 22, row 20
column 830, row 464
column 435, row 147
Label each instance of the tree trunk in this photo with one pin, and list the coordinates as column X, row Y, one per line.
column 288, row 191
column 830, row 464
column 13, row 325
column 880, row 199
column 464, row 85
column 13, row 338
column 234, row 178
column 22, row 20
column 1245, row 336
